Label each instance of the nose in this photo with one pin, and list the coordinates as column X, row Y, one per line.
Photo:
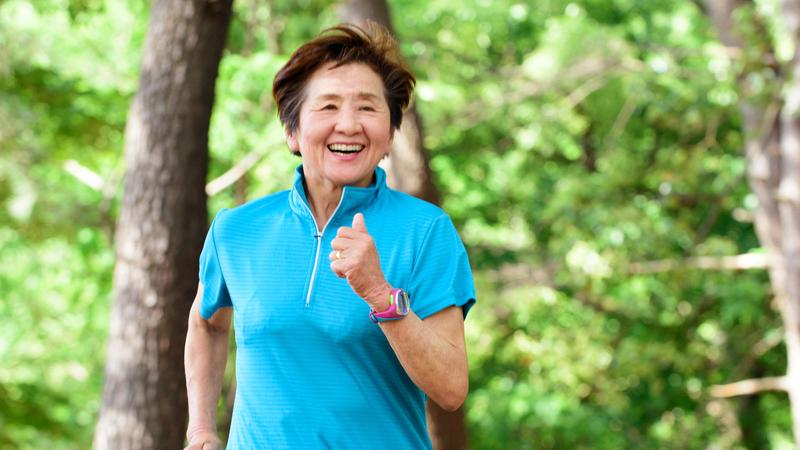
column 347, row 121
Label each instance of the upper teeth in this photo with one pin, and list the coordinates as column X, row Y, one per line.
column 346, row 147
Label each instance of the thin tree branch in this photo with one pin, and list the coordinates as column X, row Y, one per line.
column 586, row 89
column 514, row 275
column 765, row 344
column 92, row 179
column 620, row 122
column 744, row 261
column 107, row 186
column 522, row 273
column 236, row 172
column 751, row 386
column 84, row 174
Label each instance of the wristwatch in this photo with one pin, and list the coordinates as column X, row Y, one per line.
column 399, row 306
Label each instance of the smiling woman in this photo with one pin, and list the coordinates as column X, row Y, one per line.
column 340, row 355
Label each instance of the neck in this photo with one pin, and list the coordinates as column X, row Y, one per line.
column 323, row 199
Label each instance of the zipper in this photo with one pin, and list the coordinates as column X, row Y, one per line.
column 318, row 236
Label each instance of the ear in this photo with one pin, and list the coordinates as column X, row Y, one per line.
column 291, row 139
column 392, row 133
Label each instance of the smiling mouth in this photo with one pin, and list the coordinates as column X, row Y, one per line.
column 345, row 148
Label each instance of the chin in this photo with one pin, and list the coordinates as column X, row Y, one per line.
column 346, row 178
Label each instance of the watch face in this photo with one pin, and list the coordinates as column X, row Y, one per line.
column 403, row 302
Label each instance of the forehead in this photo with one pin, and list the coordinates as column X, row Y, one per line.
column 354, row 79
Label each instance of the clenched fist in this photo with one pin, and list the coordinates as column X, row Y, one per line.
column 355, row 258
column 204, row 441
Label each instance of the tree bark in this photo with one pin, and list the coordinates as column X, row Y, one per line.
column 163, row 219
column 408, row 171
column 789, row 207
column 773, row 158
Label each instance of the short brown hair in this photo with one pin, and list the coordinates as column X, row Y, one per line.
column 344, row 44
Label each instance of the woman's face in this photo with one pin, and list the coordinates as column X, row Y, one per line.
column 344, row 126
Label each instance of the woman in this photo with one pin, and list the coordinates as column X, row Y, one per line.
column 339, row 353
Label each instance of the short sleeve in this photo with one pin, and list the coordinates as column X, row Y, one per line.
column 441, row 276
column 215, row 291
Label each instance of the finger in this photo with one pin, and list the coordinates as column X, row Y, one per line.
column 359, row 224
column 341, row 243
column 336, row 255
column 348, row 232
column 338, row 267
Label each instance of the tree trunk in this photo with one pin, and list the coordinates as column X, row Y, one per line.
column 408, row 171
column 407, row 167
column 773, row 167
column 789, row 206
column 163, row 219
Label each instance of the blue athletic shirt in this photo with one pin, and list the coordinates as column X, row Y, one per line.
column 312, row 370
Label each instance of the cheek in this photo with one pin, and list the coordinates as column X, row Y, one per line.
column 311, row 138
column 382, row 133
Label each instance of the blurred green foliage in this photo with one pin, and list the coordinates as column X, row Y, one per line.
column 570, row 140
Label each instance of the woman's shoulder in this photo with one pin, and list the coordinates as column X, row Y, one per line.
column 420, row 218
column 254, row 210
column 413, row 205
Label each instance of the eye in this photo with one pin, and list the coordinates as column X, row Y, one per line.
column 367, row 108
column 329, row 107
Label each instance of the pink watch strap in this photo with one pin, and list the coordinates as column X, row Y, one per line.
column 390, row 313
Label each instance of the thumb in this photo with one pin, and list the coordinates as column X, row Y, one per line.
column 358, row 223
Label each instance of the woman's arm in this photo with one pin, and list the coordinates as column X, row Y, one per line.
column 432, row 351
column 205, row 356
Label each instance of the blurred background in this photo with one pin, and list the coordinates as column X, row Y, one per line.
column 623, row 173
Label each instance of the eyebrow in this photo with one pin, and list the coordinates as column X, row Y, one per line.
column 361, row 96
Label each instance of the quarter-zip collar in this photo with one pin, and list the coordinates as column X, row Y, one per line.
column 356, row 199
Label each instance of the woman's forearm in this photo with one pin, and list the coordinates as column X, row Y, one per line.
column 205, row 357
column 433, row 354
